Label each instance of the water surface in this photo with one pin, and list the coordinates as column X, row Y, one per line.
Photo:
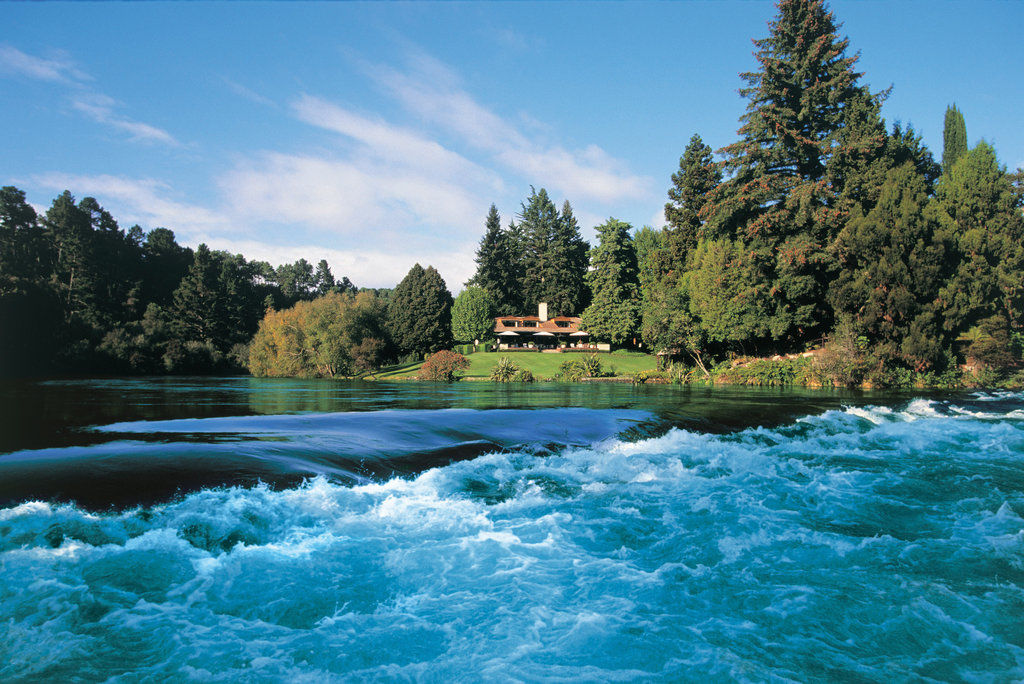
column 241, row 529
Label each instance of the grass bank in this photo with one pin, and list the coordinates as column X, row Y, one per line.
column 620, row 363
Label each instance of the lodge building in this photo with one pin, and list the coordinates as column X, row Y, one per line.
column 540, row 333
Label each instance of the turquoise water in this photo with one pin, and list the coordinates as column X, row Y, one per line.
column 436, row 533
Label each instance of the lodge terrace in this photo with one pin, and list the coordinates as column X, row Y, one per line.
column 540, row 333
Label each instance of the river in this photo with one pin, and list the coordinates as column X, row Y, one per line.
column 272, row 530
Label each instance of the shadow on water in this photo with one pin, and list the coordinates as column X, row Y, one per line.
column 126, row 441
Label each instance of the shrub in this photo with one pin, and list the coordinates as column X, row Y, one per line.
column 524, row 375
column 443, row 366
column 505, row 370
column 577, row 369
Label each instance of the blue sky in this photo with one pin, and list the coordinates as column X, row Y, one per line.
column 378, row 134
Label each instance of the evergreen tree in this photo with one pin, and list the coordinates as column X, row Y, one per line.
column 697, row 176
column 499, row 265
column 778, row 199
column 164, row 264
column 567, row 289
column 538, row 222
column 892, row 266
column 30, row 312
column 988, row 242
column 197, row 313
column 323, row 279
column 954, row 138
column 614, row 314
column 554, row 256
column 420, row 313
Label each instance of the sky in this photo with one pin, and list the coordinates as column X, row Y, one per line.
column 377, row 134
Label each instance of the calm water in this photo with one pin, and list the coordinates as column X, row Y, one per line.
column 255, row 530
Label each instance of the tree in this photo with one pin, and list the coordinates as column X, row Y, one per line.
column 472, row 315
column 567, row 290
column 614, row 313
column 697, row 176
column 778, row 199
column 420, row 312
column 554, row 256
column 337, row 334
column 499, row 265
column 323, row 279
column 954, row 138
column 891, row 270
column 978, row 196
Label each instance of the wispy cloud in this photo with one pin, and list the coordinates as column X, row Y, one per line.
column 247, row 93
column 84, row 99
column 101, row 109
column 431, row 91
column 143, row 201
column 57, row 69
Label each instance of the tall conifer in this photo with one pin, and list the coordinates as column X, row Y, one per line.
column 954, row 137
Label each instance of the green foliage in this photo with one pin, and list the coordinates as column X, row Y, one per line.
column 443, row 366
column 614, row 313
column 523, row 375
column 473, row 314
column 697, row 176
column 575, row 370
column 499, row 269
column 891, row 270
column 420, row 312
column 504, row 371
column 954, row 138
column 769, row 373
column 554, row 256
column 988, row 242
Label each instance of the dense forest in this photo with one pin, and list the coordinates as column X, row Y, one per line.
column 821, row 227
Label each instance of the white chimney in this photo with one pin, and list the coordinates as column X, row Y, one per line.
column 542, row 311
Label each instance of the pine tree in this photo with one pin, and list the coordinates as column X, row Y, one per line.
column 778, row 199
column 567, row 290
column 498, row 265
column 554, row 256
column 538, row 222
column 420, row 312
column 954, row 138
column 697, row 176
column 323, row 279
column 614, row 314
column 197, row 313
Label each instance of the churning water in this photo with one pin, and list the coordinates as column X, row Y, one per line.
column 865, row 543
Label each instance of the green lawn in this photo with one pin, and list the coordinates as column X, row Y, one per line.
column 542, row 365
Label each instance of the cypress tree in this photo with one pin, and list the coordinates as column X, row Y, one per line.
column 954, row 137
column 323, row 279
column 614, row 313
column 988, row 242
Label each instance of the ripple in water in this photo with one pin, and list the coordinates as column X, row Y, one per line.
column 864, row 544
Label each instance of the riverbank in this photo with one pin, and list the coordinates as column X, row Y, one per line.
column 811, row 369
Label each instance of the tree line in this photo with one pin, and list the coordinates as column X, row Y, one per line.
column 78, row 294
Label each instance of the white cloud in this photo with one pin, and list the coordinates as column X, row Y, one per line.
column 432, row 92
column 57, row 69
column 100, row 108
column 142, row 201
column 95, row 105
column 247, row 93
column 364, row 267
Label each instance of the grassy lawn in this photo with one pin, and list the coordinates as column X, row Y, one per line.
column 542, row 366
